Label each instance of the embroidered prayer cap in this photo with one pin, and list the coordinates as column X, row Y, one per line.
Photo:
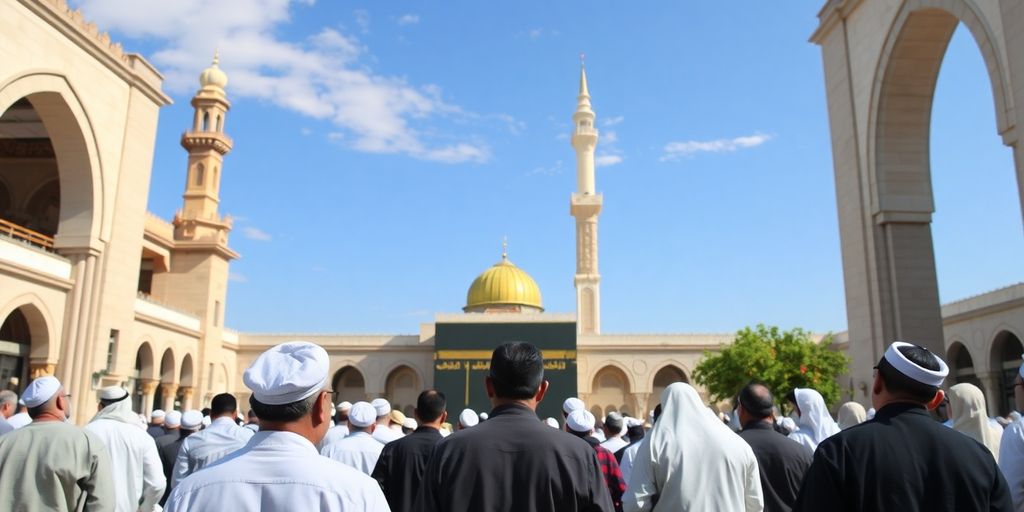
column 287, row 373
column 907, row 367
column 468, row 418
column 580, row 420
column 40, row 391
column 382, row 406
column 362, row 414
column 571, row 404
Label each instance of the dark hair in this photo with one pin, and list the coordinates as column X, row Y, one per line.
column 517, row 370
column 223, row 403
column 205, row 411
column 635, row 433
column 756, row 399
column 430, row 405
column 657, row 412
column 899, row 384
column 251, row 414
column 285, row 412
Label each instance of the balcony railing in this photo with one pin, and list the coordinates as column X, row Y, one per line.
column 22, row 233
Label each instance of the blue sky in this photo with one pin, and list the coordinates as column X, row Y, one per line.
column 383, row 149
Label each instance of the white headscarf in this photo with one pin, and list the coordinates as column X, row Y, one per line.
column 120, row 411
column 693, row 461
column 850, row 414
column 970, row 416
column 815, row 424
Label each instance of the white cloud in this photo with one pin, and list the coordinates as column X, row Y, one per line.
column 612, row 121
column 553, row 170
column 256, row 234
column 326, row 76
column 238, row 278
column 677, row 150
column 535, row 33
column 409, row 19
column 607, row 160
column 609, row 137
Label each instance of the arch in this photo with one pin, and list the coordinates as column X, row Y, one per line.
column 43, row 207
column 206, row 122
column 74, row 143
column 39, row 324
column 669, row 373
column 610, row 389
column 220, row 123
column 961, row 365
column 1005, row 357
column 185, row 377
column 200, row 174
column 144, row 367
column 348, row 385
column 26, row 334
column 168, row 375
column 402, row 387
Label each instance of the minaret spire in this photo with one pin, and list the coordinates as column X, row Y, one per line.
column 585, row 205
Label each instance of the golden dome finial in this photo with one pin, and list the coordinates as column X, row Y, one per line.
column 213, row 76
column 504, row 248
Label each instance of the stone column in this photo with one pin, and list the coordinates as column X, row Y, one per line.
column 187, row 392
column 148, row 387
column 170, row 391
column 640, row 411
column 991, row 385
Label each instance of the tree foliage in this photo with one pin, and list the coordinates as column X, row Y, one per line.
column 781, row 359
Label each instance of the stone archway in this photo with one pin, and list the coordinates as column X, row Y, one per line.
column 961, row 365
column 144, row 378
column 881, row 66
column 610, row 391
column 167, row 389
column 402, row 388
column 24, row 347
column 186, row 391
column 1005, row 360
column 348, row 385
column 668, row 374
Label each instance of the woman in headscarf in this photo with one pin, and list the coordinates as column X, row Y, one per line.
column 970, row 416
column 815, row 423
column 850, row 414
column 691, row 461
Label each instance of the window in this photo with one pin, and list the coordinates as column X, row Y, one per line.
column 111, row 348
column 200, row 171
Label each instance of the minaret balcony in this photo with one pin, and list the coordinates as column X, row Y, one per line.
column 216, row 141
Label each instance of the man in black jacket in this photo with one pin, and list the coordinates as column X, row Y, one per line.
column 780, row 460
column 400, row 467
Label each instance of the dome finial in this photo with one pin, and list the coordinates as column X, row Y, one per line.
column 504, row 248
column 213, row 76
column 216, row 57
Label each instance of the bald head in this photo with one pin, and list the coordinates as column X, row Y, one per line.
column 756, row 400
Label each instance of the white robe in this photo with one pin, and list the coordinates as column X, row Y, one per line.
column 19, row 420
column 385, row 435
column 277, row 471
column 970, row 416
column 815, row 423
column 207, row 446
column 137, row 472
column 692, row 462
column 358, row 450
column 614, row 444
column 1011, row 461
column 628, row 456
column 335, row 433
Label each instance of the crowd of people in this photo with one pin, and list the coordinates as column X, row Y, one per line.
column 295, row 450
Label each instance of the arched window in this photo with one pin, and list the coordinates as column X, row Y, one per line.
column 200, row 171
column 220, row 123
column 348, row 385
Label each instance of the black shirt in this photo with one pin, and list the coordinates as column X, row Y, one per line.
column 781, row 462
column 513, row 462
column 903, row 461
column 400, row 467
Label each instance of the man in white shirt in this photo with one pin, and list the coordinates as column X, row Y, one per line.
column 358, row 449
column 213, row 443
column 21, row 418
column 340, row 428
column 1011, row 448
column 279, row 469
column 138, row 475
column 381, row 432
column 614, row 427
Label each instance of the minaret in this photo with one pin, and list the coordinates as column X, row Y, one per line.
column 206, row 144
column 585, row 205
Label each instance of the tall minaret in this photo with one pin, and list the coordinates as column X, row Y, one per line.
column 585, row 205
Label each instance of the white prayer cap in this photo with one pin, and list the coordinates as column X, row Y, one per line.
column 191, row 420
column 580, row 420
column 40, row 391
column 344, row 406
column 633, row 422
column 410, row 424
column 870, row 414
column 571, row 404
column 483, row 416
column 207, row 421
column 113, row 394
column 157, row 414
column 382, row 406
column 907, row 367
column 288, row 373
column 362, row 414
column 468, row 418
column 551, row 422
column 173, row 419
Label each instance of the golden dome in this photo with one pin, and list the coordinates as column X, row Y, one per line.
column 503, row 285
column 213, row 76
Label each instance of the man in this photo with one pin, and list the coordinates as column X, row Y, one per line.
column 781, row 461
column 8, row 406
column 382, row 433
column 156, row 423
column 50, row 464
column 815, row 423
column 614, row 428
column 213, row 443
column 339, row 430
column 21, row 418
column 188, row 424
column 580, row 423
column 172, row 423
column 904, row 460
column 359, row 449
column 571, row 404
column 253, row 422
column 401, row 464
column 627, row 455
column 1011, row 447
column 138, row 476
column 279, row 469
column 692, row 461
column 409, row 426
column 468, row 418
column 513, row 461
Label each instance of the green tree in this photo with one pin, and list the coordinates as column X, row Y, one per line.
column 781, row 359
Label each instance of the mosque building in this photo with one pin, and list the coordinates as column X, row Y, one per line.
column 98, row 291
